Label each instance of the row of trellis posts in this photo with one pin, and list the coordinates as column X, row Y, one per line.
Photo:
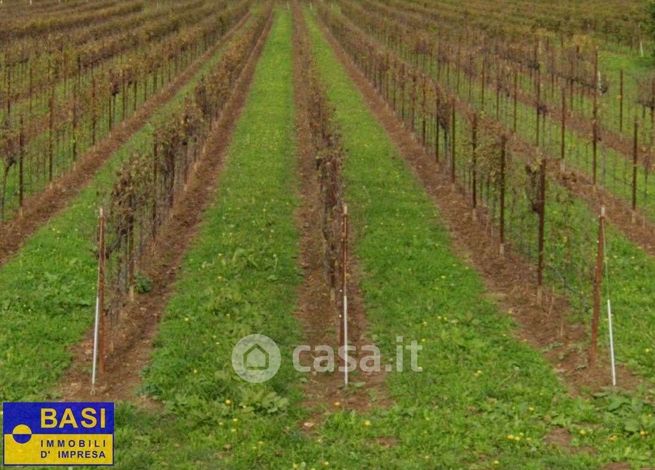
column 408, row 101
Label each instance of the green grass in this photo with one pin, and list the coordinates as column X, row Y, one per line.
column 484, row 400
column 48, row 288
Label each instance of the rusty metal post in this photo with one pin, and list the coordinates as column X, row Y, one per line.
column 453, row 140
column 51, row 127
column 423, row 113
column 436, row 123
column 635, row 158
column 516, row 92
column 474, row 150
column 503, row 156
column 542, row 225
column 595, row 121
column 621, row 101
column 484, row 80
column 21, row 163
column 563, row 134
column 538, row 108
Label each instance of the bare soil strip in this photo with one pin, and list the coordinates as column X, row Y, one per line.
column 133, row 338
column 316, row 304
column 41, row 207
column 545, row 326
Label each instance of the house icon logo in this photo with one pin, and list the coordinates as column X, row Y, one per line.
column 256, row 358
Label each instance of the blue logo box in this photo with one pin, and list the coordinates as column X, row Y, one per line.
column 58, row 433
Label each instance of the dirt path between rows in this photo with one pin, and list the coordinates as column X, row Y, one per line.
column 133, row 341
column 545, row 325
column 40, row 208
column 317, row 309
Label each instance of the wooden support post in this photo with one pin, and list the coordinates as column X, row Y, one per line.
column 453, row 140
column 595, row 121
column 538, row 109
column 423, row 112
column 31, row 86
column 503, row 156
column 51, row 130
column 436, row 124
column 621, row 101
column 515, row 97
column 652, row 108
column 563, row 135
column 594, row 148
column 484, row 81
column 21, row 163
column 458, row 66
column 9, row 92
column 498, row 96
column 75, row 119
column 155, row 187
column 542, row 225
column 635, row 158
column 94, row 116
column 474, row 150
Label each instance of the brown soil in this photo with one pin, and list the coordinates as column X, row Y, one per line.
column 39, row 208
column 561, row 437
column 137, row 327
column 619, row 466
column 317, row 308
column 545, row 325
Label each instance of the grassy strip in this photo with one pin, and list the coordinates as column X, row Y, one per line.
column 48, row 288
column 484, row 397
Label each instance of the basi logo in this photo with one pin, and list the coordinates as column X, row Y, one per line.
column 58, row 434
